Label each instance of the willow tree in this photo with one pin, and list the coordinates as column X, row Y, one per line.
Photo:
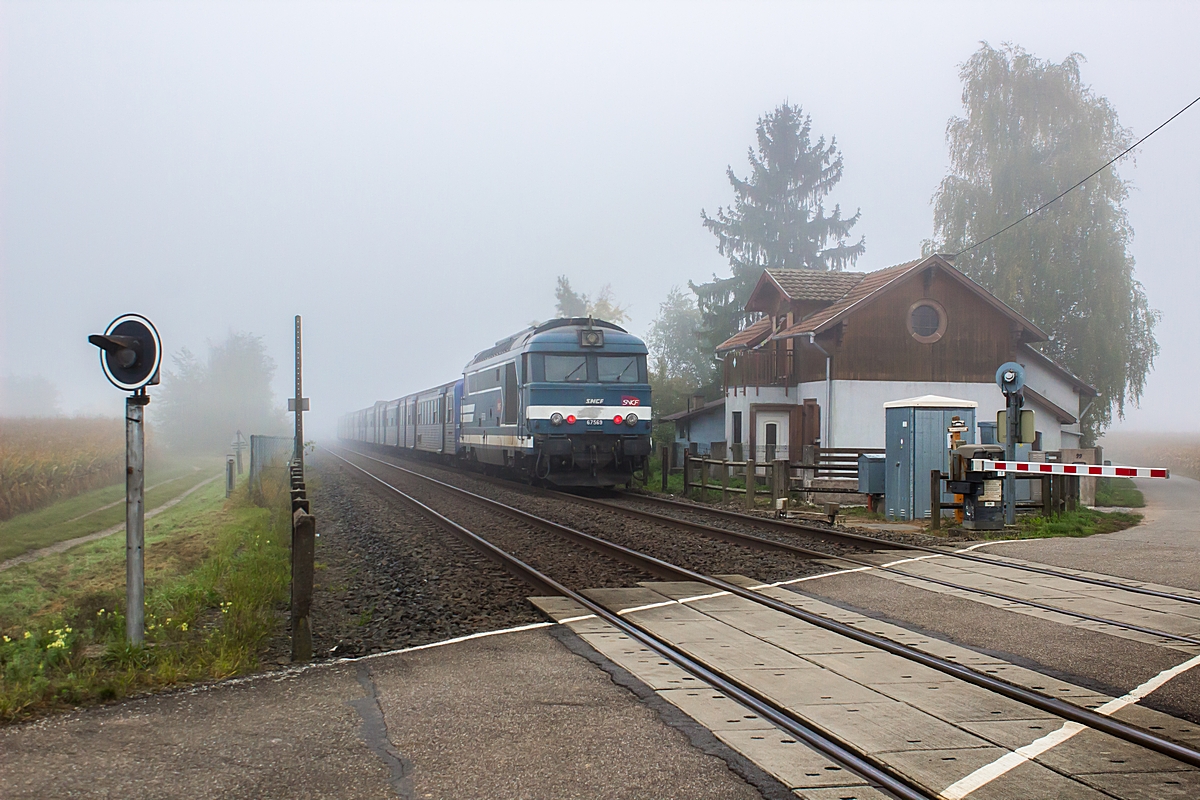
column 778, row 219
column 1030, row 130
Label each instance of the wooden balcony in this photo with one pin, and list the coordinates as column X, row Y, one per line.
column 766, row 367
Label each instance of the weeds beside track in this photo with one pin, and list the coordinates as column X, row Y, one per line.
column 217, row 572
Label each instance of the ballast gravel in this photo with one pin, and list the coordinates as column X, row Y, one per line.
column 388, row 578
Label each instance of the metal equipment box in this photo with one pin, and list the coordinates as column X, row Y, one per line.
column 871, row 474
column 918, row 443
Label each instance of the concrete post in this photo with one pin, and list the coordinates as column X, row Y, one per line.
column 666, row 466
column 935, row 500
column 229, row 475
column 304, row 528
column 751, row 480
column 135, row 518
column 687, row 474
column 779, row 482
column 725, row 481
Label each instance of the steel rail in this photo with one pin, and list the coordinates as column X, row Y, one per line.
column 858, row 538
column 877, row 774
column 1051, row 705
column 750, row 540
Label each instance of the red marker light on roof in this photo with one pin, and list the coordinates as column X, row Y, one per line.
column 570, row 419
column 618, row 419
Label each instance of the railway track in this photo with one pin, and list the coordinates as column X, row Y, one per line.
column 861, row 763
column 876, row 774
column 847, row 539
column 851, row 539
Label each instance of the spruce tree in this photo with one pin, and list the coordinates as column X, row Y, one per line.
column 778, row 219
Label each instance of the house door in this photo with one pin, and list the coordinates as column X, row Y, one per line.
column 772, row 436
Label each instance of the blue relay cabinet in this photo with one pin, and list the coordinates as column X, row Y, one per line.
column 918, row 443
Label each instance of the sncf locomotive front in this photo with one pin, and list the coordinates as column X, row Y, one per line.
column 566, row 403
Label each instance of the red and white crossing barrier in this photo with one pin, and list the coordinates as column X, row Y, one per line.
column 1042, row 468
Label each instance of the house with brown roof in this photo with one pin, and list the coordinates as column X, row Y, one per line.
column 832, row 347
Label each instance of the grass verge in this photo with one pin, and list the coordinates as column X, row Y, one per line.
column 1119, row 492
column 1084, row 522
column 98, row 509
column 216, row 573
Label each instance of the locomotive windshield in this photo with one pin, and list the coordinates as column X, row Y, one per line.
column 566, row 369
column 618, row 369
column 586, row 368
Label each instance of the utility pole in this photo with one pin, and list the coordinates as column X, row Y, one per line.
column 130, row 354
column 299, row 403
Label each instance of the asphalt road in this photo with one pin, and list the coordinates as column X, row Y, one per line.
column 517, row 715
column 1165, row 548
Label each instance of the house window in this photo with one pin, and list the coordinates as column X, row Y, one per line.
column 737, row 427
column 926, row 321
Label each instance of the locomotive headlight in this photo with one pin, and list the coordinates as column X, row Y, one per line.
column 618, row 419
column 556, row 419
column 631, row 419
column 570, row 419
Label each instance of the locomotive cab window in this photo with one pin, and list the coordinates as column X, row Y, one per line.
column 926, row 321
column 622, row 369
column 566, row 369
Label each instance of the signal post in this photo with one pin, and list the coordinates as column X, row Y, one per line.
column 130, row 355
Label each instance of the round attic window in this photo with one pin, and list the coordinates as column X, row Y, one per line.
column 926, row 321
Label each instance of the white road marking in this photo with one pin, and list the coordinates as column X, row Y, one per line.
column 777, row 584
column 531, row 626
column 989, row 772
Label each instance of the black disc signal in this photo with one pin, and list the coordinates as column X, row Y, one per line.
column 130, row 352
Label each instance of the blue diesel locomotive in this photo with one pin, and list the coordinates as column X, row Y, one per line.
column 565, row 403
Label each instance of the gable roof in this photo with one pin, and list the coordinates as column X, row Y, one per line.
column 1063, row 416
column 1078, row 383
column 751, row 336
column 807, row 284
column 874, row 284
column 709, row 407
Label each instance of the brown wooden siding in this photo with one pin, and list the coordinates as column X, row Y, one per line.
column 874, row 342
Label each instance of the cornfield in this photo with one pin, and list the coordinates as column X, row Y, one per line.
column 1179, row 453
column 45, row 460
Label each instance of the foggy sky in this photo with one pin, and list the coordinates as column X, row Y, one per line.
column 411, row 178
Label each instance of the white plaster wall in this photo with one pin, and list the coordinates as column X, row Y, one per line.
column 736, row 401
column 1049, row 385
column 1054, row 388
column 858, row 418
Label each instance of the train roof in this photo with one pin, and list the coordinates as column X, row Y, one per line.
column 556, row 333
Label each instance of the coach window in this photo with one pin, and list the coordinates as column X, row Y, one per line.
column 566, row 369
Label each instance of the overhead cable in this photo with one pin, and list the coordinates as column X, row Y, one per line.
column 1107, row 164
